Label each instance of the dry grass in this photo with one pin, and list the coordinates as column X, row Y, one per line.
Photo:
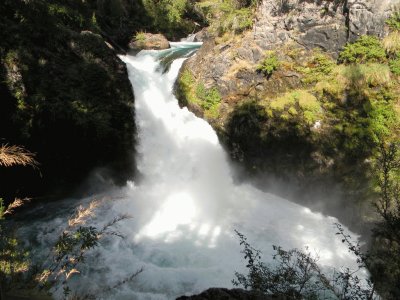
column 391, row 43
column 364, row 75
column 238, row 66
column 16, row 156
column 16, row 204
column 82, row 213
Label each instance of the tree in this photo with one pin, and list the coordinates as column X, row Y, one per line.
column 385, row 262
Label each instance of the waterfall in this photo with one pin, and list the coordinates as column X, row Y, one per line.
column 186, row 208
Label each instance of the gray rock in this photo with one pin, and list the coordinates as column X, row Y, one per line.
column 325, row 24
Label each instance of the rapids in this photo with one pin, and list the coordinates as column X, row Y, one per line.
column 186, row 207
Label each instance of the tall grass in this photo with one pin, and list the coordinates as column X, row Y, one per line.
column 391, row 43
column 16, row 156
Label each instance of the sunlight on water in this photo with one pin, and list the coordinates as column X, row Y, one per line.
column 177, row 210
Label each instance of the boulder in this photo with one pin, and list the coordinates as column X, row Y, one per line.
column 149, row 41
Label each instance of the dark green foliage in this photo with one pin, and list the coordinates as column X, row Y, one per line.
column 208, row 97
column 261, row 140
column 319, row 66
column 385, row 265
column 68, row 244
column 269, row 64
column 366, row 49
column 394, row 65
column 292, row 277
column 172, row 17
column 67, row 96
column 227, row 16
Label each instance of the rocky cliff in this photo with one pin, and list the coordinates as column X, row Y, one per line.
column 325, row 24
column 285, row 98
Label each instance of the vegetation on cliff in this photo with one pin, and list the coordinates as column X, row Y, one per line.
column 65, row 94
column 305, row 111
column 302, row 111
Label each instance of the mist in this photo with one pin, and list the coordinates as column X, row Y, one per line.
column 184, row 210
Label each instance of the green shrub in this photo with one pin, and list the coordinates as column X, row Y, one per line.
column 365, row 49
column 295, row 274
column 394, row 65
column 186, row 87
column 318, row 67
column 394, row 21
column 382, row 119
column 209, row 99
column 66, row 15
column 269, row 64
column 295, row 102
column 140, row 36
column 168, row 15
column 227, row 15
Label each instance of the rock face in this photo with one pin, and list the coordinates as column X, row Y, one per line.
column 328, row 25
column 280, row 25
column 226, row 294
column 287, row 123
column 325, row 24
column 149, row 41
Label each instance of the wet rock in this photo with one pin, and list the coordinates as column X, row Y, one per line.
column 226, row 294
column 201, row 36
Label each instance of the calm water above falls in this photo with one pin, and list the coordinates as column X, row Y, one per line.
column 186, row 207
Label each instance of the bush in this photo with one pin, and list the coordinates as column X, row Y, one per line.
column 297, row 102
column 394, row 21
column 227, row 15
column 210, row 99
column 385, row 265
column 319, row 66
column 365, row 49
column 394, row 65
column 269, row 64
column 296, row 274
column 168, row 15
column 140, row 36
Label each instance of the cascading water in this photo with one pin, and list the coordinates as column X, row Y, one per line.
column 187, row 206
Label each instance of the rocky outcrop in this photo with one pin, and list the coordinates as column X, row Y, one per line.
column 324, row 24
column 287, row 122
column 328, row 25
column 149, row 41
column 289, row 27
column 226, row 294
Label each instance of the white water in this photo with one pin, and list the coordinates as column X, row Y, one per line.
column 186, row 208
